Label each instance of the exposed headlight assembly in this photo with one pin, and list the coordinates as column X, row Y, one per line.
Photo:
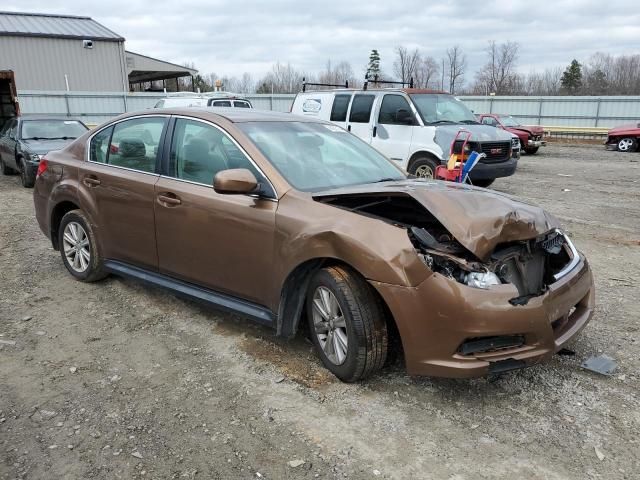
column 482, row 280
column 36, row 158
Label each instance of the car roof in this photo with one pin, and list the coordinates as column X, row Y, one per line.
column 408, row 91
column 235, row 115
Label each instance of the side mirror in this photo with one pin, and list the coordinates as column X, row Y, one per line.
column 404, row 116
column 235, row 181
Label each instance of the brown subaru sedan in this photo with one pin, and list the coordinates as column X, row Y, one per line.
column 291, row 221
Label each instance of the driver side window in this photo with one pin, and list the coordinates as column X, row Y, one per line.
column 489, row 121
column 390, row 108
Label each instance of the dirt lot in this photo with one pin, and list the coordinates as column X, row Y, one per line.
column 117, row 380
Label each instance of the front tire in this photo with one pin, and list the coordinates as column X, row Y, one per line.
column 347, row 323
column 531, row 150
column 79, row 249
column 627, row 144
column 424, row 167
column 28, row 179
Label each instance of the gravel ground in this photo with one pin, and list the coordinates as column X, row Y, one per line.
column 118, row 380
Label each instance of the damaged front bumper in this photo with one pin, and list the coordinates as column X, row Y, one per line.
column 451, row 330
column 536, row 143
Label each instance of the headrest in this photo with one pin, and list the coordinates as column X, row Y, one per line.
column 132, row 147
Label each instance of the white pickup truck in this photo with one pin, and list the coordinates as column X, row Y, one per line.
column 414, row 127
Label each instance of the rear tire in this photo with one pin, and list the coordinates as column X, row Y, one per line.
column 627, row 144
column 6, row 170
column 531, row 150
column 79, row 249
column 347, row 323
column 484, row 183
column 424, row 167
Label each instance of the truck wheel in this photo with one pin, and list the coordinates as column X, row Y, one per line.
column 347, row 323
column 6, row 170
column 424, row 167
column 484, row 183
column 628, row 144
column 531, row 150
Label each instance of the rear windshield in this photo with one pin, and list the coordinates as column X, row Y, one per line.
column 52, row 129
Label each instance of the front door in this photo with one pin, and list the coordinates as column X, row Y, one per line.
column 394, row 129
column 222, row 242
column 360, row 116
column 8, row 143
column 117, row 184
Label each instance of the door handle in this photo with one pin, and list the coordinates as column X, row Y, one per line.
column 375, row 130
column 349, row 128
column 168, row 200
column 91, row 181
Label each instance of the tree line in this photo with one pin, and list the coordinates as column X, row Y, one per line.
column 600, row 74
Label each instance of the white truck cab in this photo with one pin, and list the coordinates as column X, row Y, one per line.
column 413, row 127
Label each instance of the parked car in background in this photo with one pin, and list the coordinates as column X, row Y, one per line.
column 25, row 140
column 624, row 138
column 413, row 127
column 531, row 136
column 269, row 214
column 210, row 99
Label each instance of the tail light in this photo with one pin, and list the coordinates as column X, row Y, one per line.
column 42, row 167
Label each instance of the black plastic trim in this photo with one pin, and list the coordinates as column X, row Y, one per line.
column 211, row 298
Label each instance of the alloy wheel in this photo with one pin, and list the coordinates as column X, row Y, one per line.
column 330, row 326
column 424, row 171
column 76, row 247
column 625, row 144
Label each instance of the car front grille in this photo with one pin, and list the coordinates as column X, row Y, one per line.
column 495, row 151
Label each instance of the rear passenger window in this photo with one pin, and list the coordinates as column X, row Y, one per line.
column 134, row 143
column 361, row 108
column 239, row 104
column 221, row 103
column 99, row 147
column 199, row 151
column 340, row 107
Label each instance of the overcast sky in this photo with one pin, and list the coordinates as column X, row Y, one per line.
column 231, row 37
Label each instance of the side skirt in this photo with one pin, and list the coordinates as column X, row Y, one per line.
column 219, row 301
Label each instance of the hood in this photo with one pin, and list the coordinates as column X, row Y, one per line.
column 478, row 219
column 479, row 133
column 635, row 127
column 42, row 147
column 530, row 129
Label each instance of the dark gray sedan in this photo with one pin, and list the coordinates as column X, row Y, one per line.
column 25, row 140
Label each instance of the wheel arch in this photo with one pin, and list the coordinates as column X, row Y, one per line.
column 59, row 211
column 420, row 154
column 294, row 289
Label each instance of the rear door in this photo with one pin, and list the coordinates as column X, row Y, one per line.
column 394, row 129
column 118, row 187
column 222, row 242
column 360, row 116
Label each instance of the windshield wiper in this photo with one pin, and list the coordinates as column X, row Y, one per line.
column 49, row 138
column 470, row 122
column 441, row 121
column 389, row 179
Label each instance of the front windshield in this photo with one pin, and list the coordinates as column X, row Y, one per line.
column 509, row 121
column 316, row 156
column 52, row 129
column 442, row 108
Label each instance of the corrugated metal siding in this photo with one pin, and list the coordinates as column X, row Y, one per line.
column 59, row 25
column 547, row 111
column 41, row 64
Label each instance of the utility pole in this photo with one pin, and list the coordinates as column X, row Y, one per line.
column 442, row 82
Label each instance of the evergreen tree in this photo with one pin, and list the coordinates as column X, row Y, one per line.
column 572, row 77
column 373, row 69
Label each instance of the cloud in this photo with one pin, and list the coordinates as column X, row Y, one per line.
column 233, row 37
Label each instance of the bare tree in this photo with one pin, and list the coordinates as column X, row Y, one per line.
column 338, row 74
column 457, row 64
column 498, row 75
column 426, row 75
column 281, row 79
column 406, row 63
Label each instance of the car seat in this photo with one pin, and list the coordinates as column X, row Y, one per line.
column 133, row 154
column 196, row 165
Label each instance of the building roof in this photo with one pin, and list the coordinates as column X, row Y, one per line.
column 141, row 68
column 55, row 26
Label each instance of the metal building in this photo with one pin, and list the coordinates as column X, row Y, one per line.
column 64, row 52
